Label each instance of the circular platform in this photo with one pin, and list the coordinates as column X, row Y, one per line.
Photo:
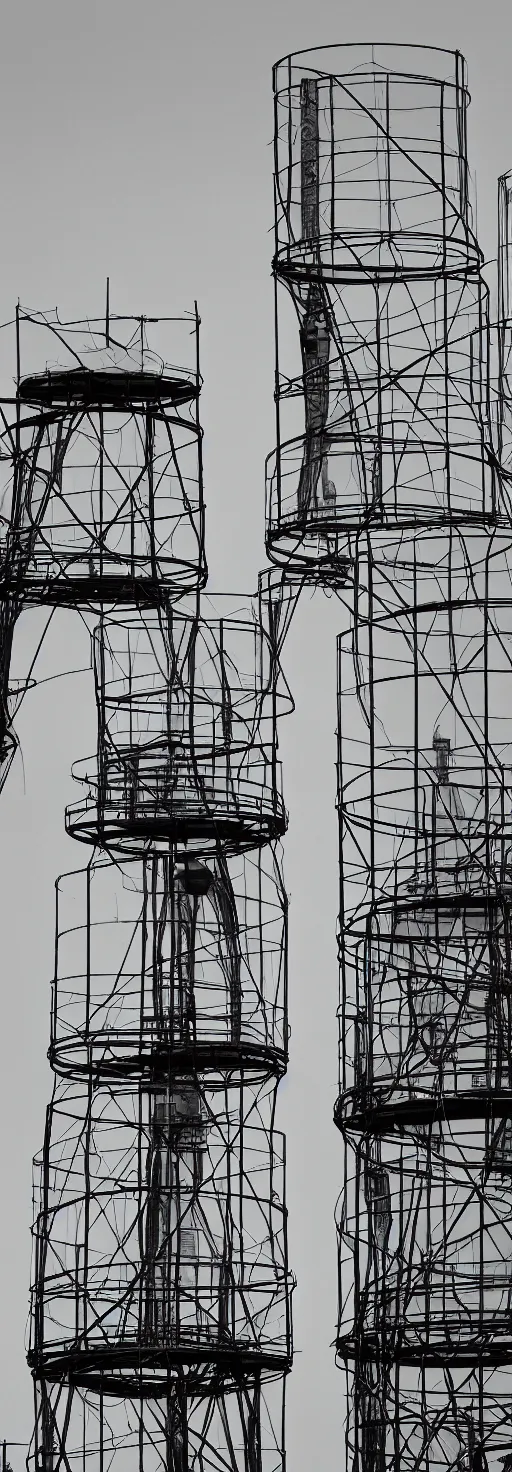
column 108, row 388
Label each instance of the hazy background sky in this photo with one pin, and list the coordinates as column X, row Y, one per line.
column 135, row 142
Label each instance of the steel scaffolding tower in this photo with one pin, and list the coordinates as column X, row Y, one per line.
column 160, row 1323
column 392, row 474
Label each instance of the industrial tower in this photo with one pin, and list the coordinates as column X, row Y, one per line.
column 392, row 479
column 160, row 1323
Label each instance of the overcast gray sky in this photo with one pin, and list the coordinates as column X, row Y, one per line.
column 135, row 142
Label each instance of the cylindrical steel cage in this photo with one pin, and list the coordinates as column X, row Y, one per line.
column 158, row 964
column 105, row 497
column 159, row 1230
column 431, row 1268
column 186, row 737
